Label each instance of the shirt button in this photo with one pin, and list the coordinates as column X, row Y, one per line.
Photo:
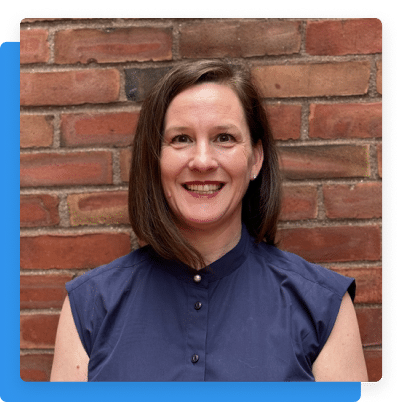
column 197, row 278
column 197, row 305
column 195, row 358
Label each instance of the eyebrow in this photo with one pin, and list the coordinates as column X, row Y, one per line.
column 220, row 127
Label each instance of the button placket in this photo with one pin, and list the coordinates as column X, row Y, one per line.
column 197, row 326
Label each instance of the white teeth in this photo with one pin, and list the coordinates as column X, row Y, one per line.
column 203, row 188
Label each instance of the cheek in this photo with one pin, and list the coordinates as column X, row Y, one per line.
column 170, row 166
column 240, row 166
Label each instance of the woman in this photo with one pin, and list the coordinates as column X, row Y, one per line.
column 210, row 298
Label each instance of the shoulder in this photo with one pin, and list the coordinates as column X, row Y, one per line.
column 342, row 358
column 115, row 271
column 314, row 294
column 94, row 294
column 295, row 269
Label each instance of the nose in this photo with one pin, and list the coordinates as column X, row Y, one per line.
column 203, row 158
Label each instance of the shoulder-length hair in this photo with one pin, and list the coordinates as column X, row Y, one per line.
column 149, row 213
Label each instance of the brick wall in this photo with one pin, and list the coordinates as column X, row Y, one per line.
column 82, row 83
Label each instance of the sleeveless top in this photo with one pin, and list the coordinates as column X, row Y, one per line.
column 256, row 314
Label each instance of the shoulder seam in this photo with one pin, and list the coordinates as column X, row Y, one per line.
column 302, row 276
column 102, row 272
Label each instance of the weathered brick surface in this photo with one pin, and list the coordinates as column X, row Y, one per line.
column 373, row 358
column 379, row 151
column 39, row 210
column 239, row 38
column 110, row 208
column 323, row 162
column 53, row 169
column 139, row 81
column 69, row 87
column 125, row 161
column 361, row 201
column 299, row 202
column 343, row 120
column 36, row 367
column 77, row 251
column 38, row 331
column 379, row 76
column 316, row 79
column 284, row 121
column 43, row 291
column 333, row 244
column 370, row 322
column 115, row 129
column 34, row 46
column 110, row 46
column 36, row 131
column 355, row 36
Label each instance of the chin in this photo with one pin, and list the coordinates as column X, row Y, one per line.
column 204, row 221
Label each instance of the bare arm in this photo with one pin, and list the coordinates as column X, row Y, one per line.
column 342, row 358
column 70, row 359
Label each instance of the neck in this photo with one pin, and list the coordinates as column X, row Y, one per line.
column 213, row 242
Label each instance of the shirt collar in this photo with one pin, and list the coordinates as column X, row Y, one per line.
column 220, row 268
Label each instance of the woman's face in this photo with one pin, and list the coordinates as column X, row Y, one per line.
column 207, row 158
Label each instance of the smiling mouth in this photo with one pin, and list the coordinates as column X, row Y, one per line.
column 203, row 188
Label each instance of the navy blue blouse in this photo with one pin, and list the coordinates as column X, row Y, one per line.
column 256, row 314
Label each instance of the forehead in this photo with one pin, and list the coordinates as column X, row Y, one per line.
column 206, row 100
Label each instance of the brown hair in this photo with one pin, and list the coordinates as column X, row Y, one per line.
column 149, row 213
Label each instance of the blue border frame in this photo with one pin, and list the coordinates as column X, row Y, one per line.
column 12, row 388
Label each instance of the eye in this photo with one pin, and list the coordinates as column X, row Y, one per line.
column 181, row 139
column 225, row 138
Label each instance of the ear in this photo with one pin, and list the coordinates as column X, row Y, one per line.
column 258, row 159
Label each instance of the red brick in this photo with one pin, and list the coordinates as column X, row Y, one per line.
column 344, row 120
column 356, row 36
column 368, row 281
column 232, row 38
column 323, row 162
column 299, row 202
column 38, row 331
column 373, row 358
column 113, row 46
column 36, row 131
column 333, row 244
column 125, row 163
column 285, row 121
column 43, row 291
column 370, row 323
column 30, row 20
column 323, row 79
column 80, row 251
column 39, row 210
column 379, row 156
column 34, row 47
column 78, row 168
column 361, row 201
column 36, row 367
column 110, row 208
column 379, row 76
column 98, row 129
column 70, row 87
column 258, row 38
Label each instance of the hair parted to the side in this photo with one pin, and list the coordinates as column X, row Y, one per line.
column 149, row 213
